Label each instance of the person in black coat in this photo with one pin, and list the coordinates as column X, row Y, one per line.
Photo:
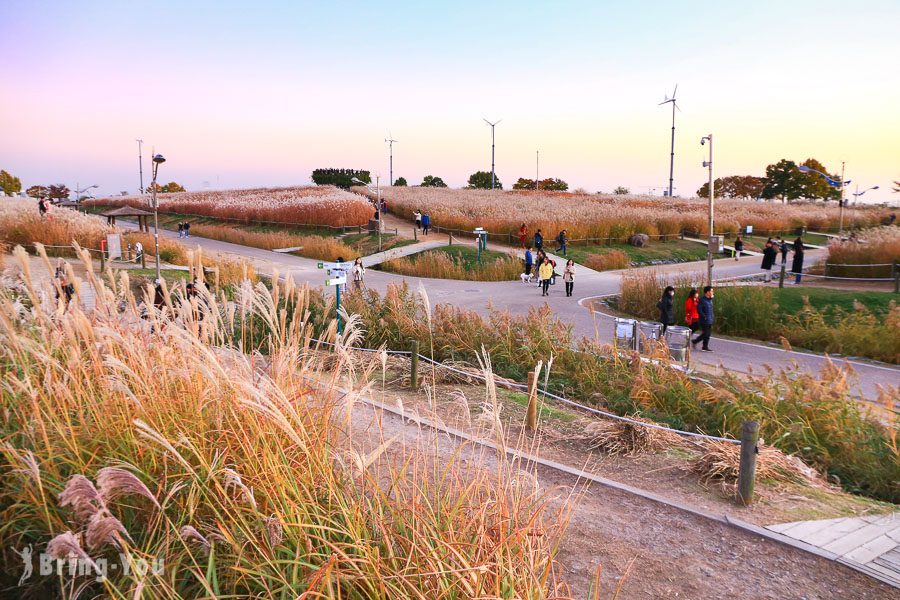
column 707, row 317
column 666, row 306
column 797, row 264
column 768, row 261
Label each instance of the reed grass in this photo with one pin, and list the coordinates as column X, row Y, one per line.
column 312, row 246
column 877, row 246
column 608, row 261
column 20, row 223
column 440, row 265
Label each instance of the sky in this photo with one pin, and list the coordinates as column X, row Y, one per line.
column 240, row 94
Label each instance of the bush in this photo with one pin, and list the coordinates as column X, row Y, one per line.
column 608, row 261
column 313, row 246
column 439, row 265
column 879, row 246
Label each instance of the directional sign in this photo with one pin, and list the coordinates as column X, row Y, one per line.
column 338, row 272
column 336, row 281
column 333, row 265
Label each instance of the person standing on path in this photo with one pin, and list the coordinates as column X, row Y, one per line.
column 561, row 241
column 738, row 247
column 539, row 241
column 426, row 223
column 691, row 316
column 569, row 276
column 523, row 234
column 359, row 274
column 418, row 217
column 666, row 306
column 768, row 261
column 784, row 250
column 529, row 261
column 705, row 310
column 546, row 273
column 42, row 207
column 797, row 264
column 138, row 251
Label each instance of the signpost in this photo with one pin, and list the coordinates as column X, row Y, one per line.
column 337, row 272
column 480, row 241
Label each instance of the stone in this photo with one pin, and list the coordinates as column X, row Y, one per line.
column 639, row 240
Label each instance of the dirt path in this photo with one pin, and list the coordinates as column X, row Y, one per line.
column 672, row 554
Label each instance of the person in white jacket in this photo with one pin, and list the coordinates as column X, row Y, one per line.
column 359, row 274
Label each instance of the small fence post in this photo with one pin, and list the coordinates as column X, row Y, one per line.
column 531, row 411
column 143, row 259
column 414, row 365
column 781, row 276
column 451, row 238
column 102, row 261
column 415, row 234
column 896, row 270
column 747, row 471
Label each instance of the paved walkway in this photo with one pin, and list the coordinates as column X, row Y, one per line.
column 518, row 298
column 872, row 544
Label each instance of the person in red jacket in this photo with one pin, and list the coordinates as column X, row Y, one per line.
column 691, row 315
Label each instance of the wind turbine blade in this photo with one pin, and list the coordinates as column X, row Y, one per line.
column 666, row 101
column 676, row 106
column 675, row 92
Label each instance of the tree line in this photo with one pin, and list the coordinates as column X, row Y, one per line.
column 783, row 181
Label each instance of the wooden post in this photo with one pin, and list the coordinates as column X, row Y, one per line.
column 414, row 365
column 451, row 239
column 747, row 472
column 896, row 270
column 102, row 261
column 143, row 259
column 415, row 234
column 531, row 411
column 781, row 276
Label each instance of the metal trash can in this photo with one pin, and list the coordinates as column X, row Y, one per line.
column 625, row 333
column 649, row 333
column 678, row 338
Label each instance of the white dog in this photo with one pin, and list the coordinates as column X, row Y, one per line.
column 526, row 278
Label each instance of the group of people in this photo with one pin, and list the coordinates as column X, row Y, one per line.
column 184, row 230
column 698, row 313
column 562, row 239
column 544, row 268
column 770, row 255
column 423, row 221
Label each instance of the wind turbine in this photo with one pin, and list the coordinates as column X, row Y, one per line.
column 494, row 124
column 672, row 154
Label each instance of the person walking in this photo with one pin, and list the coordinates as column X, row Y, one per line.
column 529, row 261
column 738, row 247
column 569, row 276
column 768, row 261
column 666, row 306
column 138, row 251
column 784, row 250
column 797, row 264
column 418, row 217
column 523, row 234
column 42, row 207
column 706, row 318
column 359, row 273
column 539, row 240
column 691, row 316
column 426, row 223
column 180, row 230
column 541, row 257
column 546, row 273
column 561, row 242
column 187, row 229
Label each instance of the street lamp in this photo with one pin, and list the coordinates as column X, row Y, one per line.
column 833, row 183
column 858, row 193
column 79, row 191
column 712, row 195
column 157, row 160
column 377, row 202
column 140, row 165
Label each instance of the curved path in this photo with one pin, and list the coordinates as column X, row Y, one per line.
column 517, row 297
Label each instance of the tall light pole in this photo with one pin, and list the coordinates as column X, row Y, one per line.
column 833, row 183
column 390, row 142
column 712, row 195
column 157, row 160
column 493, row 178
column 141, row 165
column 858, row 193
column 672, row 150
column 377, row 202
column 537, row 170
column 79, row 191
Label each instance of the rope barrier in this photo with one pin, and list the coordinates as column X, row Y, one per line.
column 545, row 393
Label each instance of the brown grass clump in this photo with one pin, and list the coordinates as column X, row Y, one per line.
column 629, row 439
column 21, row 224
column 879, row 246
column 170, row 251
column 439, row 265
column 313, row 246
column 721, row 461
column 608, row 261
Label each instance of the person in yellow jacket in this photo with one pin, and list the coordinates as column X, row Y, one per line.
column 545, row 273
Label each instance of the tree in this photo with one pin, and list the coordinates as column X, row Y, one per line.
column 554, row 184
column 342, row 178
column 481, row 180
column 814, row 186
column 8, row 184
column 172, row 187
column 621, row 191
column 58, row 191
column 401, row 182
column 735, row 186
column 432, row 181
column 523, row 184
column 783, row 181
column 38, row 191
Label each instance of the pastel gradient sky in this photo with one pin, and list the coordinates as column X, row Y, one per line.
column 239, row 94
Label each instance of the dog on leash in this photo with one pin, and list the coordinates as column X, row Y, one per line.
column 527, row 278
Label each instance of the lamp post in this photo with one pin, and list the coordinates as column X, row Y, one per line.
column 79, row 191
column 377, row 202
column 537, row 170
column 858, row 193
column 833, row 183
column 712, row 195
column 157, row 160
column 140, row 165
column 494, row 124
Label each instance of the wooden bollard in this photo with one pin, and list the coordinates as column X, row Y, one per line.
column 102, row 261
column 747, row 471
column 531, row 411
column 451, row 239
column 414, row 365
column 781, row 276
column 143, row 259
column 415, row 234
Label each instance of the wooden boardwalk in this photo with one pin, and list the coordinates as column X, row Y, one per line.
column 872, row 543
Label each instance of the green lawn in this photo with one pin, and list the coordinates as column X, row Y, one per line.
column 677, row 250
column 367, row 243
column 469, row 255
column 790, row 299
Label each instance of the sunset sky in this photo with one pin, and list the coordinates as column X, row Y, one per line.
column 239, row 94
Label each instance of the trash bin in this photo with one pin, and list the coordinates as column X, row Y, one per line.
column 649, row 333
column 678, row 338
column 625, row 333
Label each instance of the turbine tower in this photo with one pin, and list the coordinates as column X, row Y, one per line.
column 672, row 153
column 494, row 124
